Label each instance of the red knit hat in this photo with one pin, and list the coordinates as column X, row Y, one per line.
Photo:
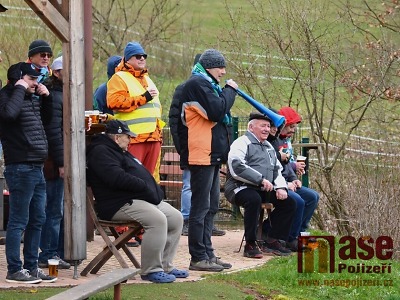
column 291, row 116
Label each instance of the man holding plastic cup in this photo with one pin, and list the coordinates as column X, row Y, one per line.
column 306, row 198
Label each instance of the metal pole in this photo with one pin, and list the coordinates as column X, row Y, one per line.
column 235, row 124
column 304, row 152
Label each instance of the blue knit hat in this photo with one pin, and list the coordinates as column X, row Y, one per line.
column 112, row 63
column 131, row 49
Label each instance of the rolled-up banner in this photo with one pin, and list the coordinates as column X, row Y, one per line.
column 277, row 119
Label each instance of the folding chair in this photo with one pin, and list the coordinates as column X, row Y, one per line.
column 265, row 207
column 112, row 247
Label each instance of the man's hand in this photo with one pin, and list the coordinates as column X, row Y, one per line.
column 232, row 84
column 292, row 186
column 153, row 92
column 23, row 83
column 297, row 183
column 266, row 185
column 284, row 156
column 61, row 172
column 281, row 194
column 300, row 168
column 42, row 90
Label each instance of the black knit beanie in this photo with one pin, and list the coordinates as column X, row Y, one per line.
column 39, row 46
column 212, row 58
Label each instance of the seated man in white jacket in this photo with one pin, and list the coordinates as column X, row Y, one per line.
column 254, row 176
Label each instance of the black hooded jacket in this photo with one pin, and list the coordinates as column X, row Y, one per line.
column 116, row 177
column 54, row 130
column 22, row 116
column 174, row 116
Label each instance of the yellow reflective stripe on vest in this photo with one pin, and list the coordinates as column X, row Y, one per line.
column 144, row 118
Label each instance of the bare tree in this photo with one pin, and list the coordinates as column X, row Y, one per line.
column 116, row 22
column 309, row 56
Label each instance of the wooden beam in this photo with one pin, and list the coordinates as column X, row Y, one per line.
column 51, row 17
column 74, row 137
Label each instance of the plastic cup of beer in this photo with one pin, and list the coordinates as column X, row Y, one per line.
column 53, row 267
column 95, row 115
column 300, row 158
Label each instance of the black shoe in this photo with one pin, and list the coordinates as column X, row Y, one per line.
column 218, row 232
column 251, row 250
column 185, row 228
column 22, row 276
column 275, row 248
column 293, row 246
column 40, row 274
column 218, row 261
column 61, row 263
column 205, row 265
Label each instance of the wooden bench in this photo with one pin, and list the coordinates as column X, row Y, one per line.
column 101, row 283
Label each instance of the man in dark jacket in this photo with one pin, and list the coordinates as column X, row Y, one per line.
column 25, row 105
column 52, row 239
column 125, row 190
column 186, row 194
column 306, row 198
column 204, row 140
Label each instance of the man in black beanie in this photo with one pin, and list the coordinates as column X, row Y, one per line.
column 203, row 131
column 39, row 54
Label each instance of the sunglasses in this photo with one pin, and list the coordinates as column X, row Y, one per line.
column 139, row 56
column 43, row 55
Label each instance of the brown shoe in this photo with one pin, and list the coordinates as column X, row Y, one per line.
column 251, row 250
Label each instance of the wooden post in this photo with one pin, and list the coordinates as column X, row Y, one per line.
column 74, row 136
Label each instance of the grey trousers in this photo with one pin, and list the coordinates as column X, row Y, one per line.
column 162, row 225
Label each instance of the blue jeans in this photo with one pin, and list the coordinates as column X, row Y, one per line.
column 51, row 231
column 186, row 194
column 27, row 203
column 307, row 201
column 204, row 206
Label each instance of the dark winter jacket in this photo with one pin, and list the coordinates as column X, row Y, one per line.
column 116, row 177
column 203, row 114
column 175, row 115
column 54, row 130
column 287, row 171
column 22, row 117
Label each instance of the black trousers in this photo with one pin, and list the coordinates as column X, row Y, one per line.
column 280, row 220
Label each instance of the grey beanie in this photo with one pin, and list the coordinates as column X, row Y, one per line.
column 39, row 46
column 212, row 58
